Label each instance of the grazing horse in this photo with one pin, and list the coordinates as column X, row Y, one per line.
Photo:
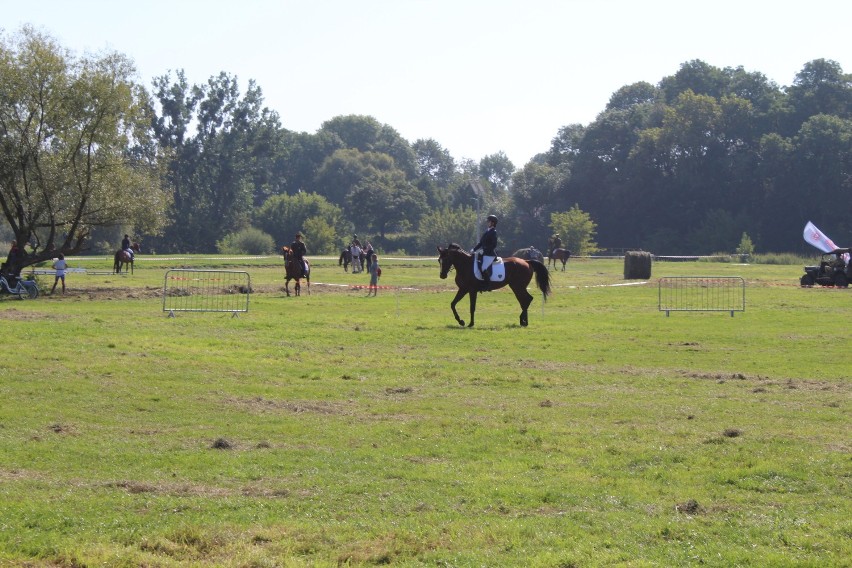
column 519, row 272
column 559, row 254
column 345, row 259
column 295, row 272
column 124, row 259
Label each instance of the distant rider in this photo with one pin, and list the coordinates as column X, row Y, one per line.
column 555, row 243
column 128, row 247
column 299, row 251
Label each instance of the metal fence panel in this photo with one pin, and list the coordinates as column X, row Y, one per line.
column 701, row 293
column 186, row 290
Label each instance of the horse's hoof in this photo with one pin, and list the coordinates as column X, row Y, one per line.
column 470, row 324
column 461, row 323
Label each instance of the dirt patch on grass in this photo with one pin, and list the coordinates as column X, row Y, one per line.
column 261, row 405
column 15, row 314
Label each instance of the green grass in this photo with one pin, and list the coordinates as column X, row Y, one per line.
column 376, row 431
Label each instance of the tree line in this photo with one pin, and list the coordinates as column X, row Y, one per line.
column 684, row 166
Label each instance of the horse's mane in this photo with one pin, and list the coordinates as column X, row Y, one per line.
column 456, row 246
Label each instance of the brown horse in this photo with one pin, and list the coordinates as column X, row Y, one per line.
column 124, row 259
column 559, row 254
column 295, row 272
column 519, row 272
column 345, row 259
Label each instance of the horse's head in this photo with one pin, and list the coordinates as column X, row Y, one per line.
column 444, row 261
column 285, row 250
column 447, row 257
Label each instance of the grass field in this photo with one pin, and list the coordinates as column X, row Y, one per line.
column 335, row 429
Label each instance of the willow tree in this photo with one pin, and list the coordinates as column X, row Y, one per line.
column 75, row 151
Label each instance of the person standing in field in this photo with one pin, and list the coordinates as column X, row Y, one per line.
column 356, row 256
column 59, row 265
column 375, row 272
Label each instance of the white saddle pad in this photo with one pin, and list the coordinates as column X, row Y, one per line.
column 498, row 270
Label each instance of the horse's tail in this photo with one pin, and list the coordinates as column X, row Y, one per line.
column 542, row 277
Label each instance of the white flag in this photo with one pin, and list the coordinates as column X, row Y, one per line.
column 817, row 238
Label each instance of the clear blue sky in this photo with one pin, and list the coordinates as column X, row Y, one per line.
column 478, row 76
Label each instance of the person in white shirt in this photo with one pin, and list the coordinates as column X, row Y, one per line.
column 59, row 265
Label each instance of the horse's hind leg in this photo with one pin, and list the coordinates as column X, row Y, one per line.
column 524, row 299
column 472, row 307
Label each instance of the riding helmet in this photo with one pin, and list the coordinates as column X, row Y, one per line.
column 492, row 218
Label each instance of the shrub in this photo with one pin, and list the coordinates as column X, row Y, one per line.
column 247, row 241
column 782, row 258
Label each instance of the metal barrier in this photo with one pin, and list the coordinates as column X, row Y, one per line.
column 186, row 290
column 701, row 294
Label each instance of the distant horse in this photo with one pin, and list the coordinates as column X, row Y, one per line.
column 124, row 259
column 559, row 254
column 529, row 253
column 345, row 259
column 295, row 272
column 519, row 272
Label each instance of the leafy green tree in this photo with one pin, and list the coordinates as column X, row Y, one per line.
column 565, row 146
column 746, row 247
column 497, row 169
column 446, row 226
column 75, row 147
column 321, row 235
column 283, row 215
column 631, row 95
column 227, row 167
column 697, row 76
column 821, row 87
column 576, row 229
column 436, row 172
column 823, row 171
column 345, row 169
column 306, row 154
column 366, row 134
column 533, row 195
column 386, row 200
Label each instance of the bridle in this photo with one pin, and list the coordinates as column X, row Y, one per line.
column 445, row 263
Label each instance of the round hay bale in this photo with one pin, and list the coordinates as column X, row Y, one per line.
column 637, row 265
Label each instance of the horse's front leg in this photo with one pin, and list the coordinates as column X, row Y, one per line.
column 472, row 307
column 459, row 295
column 287, row 286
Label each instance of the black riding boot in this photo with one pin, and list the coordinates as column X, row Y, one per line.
column 486, row 280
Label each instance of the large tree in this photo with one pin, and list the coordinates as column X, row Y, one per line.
column 75, row 151
column 231, row 164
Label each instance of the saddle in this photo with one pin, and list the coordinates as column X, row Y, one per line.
column 498, row 270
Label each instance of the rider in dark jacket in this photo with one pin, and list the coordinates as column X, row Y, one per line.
column 127, row 246
column 488, row 244
column 299, row 251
